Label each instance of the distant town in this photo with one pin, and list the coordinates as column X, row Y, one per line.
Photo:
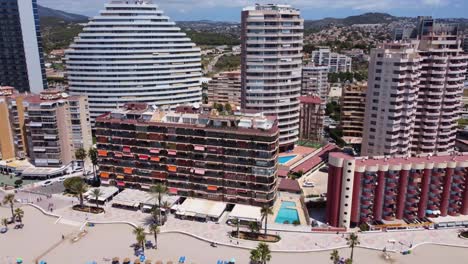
column 128, row 137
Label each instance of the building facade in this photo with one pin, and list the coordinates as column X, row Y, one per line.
column 21, row 54
column 225, row 88
column 12, row 131
column 379, row 190
column 53, row 129
column 132, row 52
column 194, row 151
column 353, row 106
column 441, row 86
column 272, row 40
column 392, row 97
column 311, row 118
column 315, row 81
column 334, row 61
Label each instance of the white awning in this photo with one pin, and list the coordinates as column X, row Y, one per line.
column 246, row 213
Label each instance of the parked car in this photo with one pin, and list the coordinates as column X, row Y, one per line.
column 308, row 184
column 61, row 179
column 3, row 230
column 46, row 183
column 324, row 169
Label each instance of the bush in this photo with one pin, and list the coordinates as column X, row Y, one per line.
column 296, row 222
column 364, row 227
column 18, row 182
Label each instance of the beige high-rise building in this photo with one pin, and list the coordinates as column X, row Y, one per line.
column 441, row 86
column 394, row 76
column 353, row 102
column 315, row 81
column 225, row 87
column 311, row 118
column 56, row 125
column 415, row 93
column 12, row 134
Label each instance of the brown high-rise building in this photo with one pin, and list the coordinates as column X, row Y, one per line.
column 311, row 118
column 195, row 151
column 353, row 106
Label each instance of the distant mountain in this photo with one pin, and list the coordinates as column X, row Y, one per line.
column 366, row 18
column 65, row 16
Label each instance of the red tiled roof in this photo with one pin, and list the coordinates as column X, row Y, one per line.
column 283, row 172
column 316, row 159
column 289, row 185
column 310, row 100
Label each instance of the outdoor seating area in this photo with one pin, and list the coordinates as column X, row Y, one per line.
column 107, row 193
column 200, row 210
column 131, row 199
column 245, row 214
column 167, row 201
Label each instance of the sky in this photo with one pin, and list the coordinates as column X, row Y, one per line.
column 229, row 10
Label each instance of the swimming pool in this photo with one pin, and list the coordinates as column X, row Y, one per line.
column 286, row 159
column 287, row 213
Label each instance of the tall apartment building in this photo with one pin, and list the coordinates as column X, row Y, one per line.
column 225, row 87
column 415, row 93
column 21, row 54
column 311, row 118
column 353, row 106
column 132, row 52
column 195, row 151
column 412, row 189
column 272, row 40
column 334, row 61
column 12, row 131
column 315, row 81
column 441, row 85
column 392, row 98
column 53, row 128
column 465, row 44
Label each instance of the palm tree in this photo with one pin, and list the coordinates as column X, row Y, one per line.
column 253, row 227
column 140, row 235
column 335, row 257
column 159, row 190
column 96, row 194
column 254, row 256
column 264, row 252
column 266, row 210
column 10, row 199
column 352, row 241
column 5, row 222
column 154, row 229
column 79, row 188
column 93, row 156
column 236, row 222
column 80, row 154
column 19, row 213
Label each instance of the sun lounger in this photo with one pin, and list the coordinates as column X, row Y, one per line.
column 182, row 259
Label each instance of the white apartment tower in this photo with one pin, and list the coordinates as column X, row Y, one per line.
column 272, row 40
column 390, row 114
column 132, row 52
column 334, row 61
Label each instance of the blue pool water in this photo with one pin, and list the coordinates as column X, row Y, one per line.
column 287, row 212
column 286, row 159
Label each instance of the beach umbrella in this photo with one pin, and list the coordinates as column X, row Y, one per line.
column 115, row 260
column 42, row 262
column 19, row 260
column 126, row 261
column 137, row 261
column 148, row 261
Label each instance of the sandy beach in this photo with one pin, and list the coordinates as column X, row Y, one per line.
column 106, row 241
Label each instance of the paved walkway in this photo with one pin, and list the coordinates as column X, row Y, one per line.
column 297, row 239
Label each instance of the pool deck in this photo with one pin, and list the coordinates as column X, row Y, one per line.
column 287, row 197
column 300, row 151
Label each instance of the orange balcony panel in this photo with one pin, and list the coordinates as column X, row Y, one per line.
column 157, row 159
column 172, row 168
column 126, row 149
column 102, row 153
column 212, row 188
column 104, row 175
column 128, row 170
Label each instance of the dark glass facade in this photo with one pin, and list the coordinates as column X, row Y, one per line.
column 13, row 61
